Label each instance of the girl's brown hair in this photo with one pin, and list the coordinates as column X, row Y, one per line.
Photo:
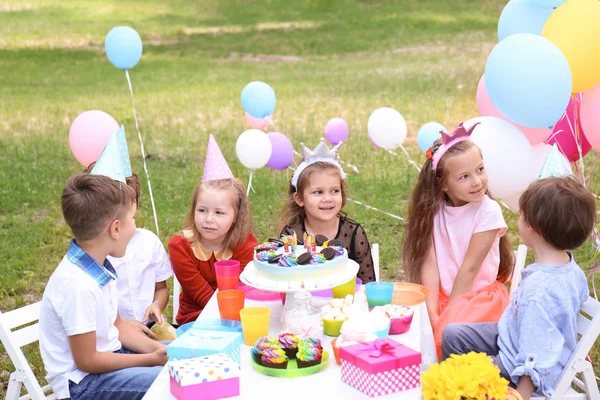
column 424, row 204
column 292, row 213
column 242, row 222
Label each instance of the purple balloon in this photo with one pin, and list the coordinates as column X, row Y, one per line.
column 336, row 131
column 282, row 155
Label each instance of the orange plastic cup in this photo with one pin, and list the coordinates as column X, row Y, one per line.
column 230, row 303
column 341, row 291
column 255, row 323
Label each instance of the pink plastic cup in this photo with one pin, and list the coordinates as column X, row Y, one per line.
column 228, row 274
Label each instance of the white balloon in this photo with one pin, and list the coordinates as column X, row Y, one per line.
column 512, row 202
column 387, row 128
column 253, row 148
column 506, row 153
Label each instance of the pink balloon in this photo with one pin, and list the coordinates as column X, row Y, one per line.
column 89, row 134
column 486, row 108
column 590, row 116
column 564, row 133
column 258, row 123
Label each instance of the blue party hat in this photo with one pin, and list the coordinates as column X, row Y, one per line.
column 554, row 166
column 110, row 162
column 124, row 152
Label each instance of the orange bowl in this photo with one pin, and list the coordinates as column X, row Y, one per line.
column 409, row 294
column 336, row 352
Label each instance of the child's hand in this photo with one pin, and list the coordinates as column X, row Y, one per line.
column 138, row 326
column 155, row 312
column 159, row 356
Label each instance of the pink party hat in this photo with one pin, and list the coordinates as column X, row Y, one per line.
column 215, row 166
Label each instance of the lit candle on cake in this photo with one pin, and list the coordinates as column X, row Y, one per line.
column 286, row 247
column 307, row 244
column 305, row 237
column 294, row 243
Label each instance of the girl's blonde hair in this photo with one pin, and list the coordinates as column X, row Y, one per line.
column 242, row 222
column 422, row 208
column 292, row 213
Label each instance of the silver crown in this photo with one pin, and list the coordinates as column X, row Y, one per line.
column 321, row 151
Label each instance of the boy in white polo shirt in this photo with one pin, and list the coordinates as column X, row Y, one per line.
column 88, row 351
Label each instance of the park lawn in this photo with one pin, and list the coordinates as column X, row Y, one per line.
column 323, row 58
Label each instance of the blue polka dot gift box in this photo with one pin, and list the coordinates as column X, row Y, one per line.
column 198, row 343
column 205, row 378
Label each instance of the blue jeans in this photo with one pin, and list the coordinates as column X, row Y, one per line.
column 126, row 384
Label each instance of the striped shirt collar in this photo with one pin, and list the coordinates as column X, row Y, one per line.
column 102, row 275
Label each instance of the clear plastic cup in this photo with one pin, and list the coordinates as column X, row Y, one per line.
column 228, row 274
column 230, row 303
column 255, row 323
column 379, row 293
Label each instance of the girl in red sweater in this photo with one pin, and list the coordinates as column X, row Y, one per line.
column 217, row 227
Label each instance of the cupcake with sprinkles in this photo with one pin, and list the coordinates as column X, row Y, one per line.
column 274, row 357
column 289, row 344
column 310, row 353
column 260, row 346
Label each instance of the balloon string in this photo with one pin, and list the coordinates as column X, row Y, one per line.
column 578, row 136
column 143, row 152
column 410, row 160
column 250, row 184
column 376, row 209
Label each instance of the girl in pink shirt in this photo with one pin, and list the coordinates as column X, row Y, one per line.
column 456, row 243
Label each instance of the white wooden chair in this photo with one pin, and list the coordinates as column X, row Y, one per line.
column 177, row 285
column 176, row 292
column 520, row 258
column 13, row 341
column 589, row 329
column 375, row 255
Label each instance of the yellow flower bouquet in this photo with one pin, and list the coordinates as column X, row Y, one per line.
column 470, row 376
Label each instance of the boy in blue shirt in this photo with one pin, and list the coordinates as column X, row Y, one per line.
column 537, row 333
column 88, row 351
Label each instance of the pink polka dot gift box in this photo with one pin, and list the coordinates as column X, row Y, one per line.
column 205, row 378
column 380, row 367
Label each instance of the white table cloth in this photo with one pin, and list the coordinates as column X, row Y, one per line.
column 327, row 384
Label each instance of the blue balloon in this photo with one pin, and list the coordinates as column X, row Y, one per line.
column 528, row 80
column 123, row 47
column 525, row 16
column 429, row 133
column 258, row 99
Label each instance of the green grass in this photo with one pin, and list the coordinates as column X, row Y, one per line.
column 323, row 58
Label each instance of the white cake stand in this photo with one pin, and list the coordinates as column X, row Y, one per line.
column 254, row 278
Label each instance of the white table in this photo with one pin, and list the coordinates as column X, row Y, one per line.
column 327, row 384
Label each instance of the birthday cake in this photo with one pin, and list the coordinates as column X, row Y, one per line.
column 292, row 263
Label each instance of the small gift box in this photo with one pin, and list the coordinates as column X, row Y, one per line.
column 197, row 343
column 205, row 378
column 380, row 367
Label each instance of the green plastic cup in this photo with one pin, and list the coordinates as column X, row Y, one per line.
column 341, row 291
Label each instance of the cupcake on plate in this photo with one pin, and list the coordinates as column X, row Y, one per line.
column 310, row 353
column 289, row 344
column 261, row 344
column 274, row 357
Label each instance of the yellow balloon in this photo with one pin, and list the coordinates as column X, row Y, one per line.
column 574, row 27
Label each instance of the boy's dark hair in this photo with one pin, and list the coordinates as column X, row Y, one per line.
column 560, row 210
column 90, row 202
column 133, row 181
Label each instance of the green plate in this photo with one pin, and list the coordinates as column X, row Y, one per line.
column 292, row 370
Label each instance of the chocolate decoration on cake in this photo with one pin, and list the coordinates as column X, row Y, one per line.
column 260, row 249
column 304, row 258
column 274, row 260
column 328, row 253
column 335, row 242
column 321, row 239
column 278, row 242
